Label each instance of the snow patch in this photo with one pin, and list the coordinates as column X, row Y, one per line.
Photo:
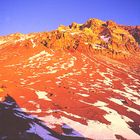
column 42, row 53
column 43, row 95
column 84, row 95
column 104, row 38
column 35, row 128
column 33, row 43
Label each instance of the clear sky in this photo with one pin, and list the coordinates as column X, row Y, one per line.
column 44, row 15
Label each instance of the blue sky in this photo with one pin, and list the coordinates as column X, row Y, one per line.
column 27, row 16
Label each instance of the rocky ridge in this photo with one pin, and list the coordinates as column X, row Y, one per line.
column 107, row 38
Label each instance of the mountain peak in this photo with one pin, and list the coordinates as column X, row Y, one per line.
column 93, row 22
column 106, row 38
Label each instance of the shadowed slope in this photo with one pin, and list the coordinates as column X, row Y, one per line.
column 17, row 125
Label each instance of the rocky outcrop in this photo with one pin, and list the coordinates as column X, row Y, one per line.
column 134, row 31
column 107, row 38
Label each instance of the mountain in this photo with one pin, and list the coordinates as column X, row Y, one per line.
column 84, row 77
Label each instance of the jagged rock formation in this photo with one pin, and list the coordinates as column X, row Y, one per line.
column 134, row 31
column 106, row 38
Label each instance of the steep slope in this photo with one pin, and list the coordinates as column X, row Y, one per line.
column 85, row 75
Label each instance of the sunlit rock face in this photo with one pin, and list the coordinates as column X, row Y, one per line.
column 81, row 79
column 134, row 31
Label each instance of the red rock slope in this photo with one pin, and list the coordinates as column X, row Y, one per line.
column 85, row 75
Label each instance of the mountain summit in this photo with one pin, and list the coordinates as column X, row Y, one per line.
column 107, row 38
